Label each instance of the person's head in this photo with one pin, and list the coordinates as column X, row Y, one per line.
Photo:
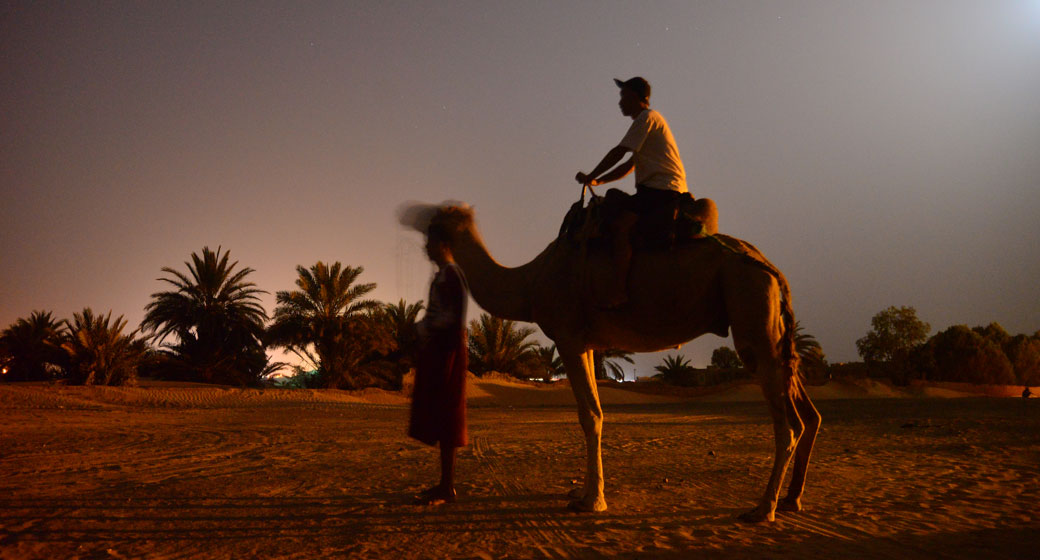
column 437, row 244
column 635, row 96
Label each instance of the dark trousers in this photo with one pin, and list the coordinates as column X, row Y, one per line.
column 645, row 200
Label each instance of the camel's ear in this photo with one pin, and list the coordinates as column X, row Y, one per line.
column 416, row 215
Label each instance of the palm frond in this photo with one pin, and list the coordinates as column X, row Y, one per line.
column 498, row 345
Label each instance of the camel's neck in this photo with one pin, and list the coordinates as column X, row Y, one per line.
column 501, row 291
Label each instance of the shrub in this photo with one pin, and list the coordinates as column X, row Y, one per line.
column 1024, row 354
column 961, row 354
column 725, row 357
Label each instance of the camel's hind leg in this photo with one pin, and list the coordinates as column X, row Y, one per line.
column 811, row 419
column 581, row 373
column 755, row 308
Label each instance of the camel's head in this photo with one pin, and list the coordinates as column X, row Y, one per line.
column 452, row 217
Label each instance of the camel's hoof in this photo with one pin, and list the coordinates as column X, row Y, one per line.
column 582, row 506
column 757, row 515
column 789, row 505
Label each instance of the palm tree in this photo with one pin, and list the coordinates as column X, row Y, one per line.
column 399, row 320
column 813, row 362
column 498, row 345
column 28, row 348
column 607, row 365
column 673, row 369
column 549, row 362
column 216, row 317
column 98, row 353
column 327, row 323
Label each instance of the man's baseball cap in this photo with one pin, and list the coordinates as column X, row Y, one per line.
column 637, row 85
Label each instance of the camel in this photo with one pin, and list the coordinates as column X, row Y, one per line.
column 674, row 296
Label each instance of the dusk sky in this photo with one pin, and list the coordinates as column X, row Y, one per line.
column 879, row 153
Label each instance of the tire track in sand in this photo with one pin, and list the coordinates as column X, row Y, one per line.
column 556, row 543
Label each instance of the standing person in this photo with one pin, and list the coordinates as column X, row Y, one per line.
column 438, row 414
column 660, row 176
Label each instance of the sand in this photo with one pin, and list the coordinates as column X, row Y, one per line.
column 169, row 471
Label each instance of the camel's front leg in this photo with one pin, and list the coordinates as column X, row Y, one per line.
column 581, row 373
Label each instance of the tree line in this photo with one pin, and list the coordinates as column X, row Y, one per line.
column 898, row 346
column 209, row 326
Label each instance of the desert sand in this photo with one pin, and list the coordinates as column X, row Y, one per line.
column 175, row 471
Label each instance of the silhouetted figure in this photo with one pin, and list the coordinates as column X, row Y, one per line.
column 438, row 414
column 660, row 176
column 1026, row 393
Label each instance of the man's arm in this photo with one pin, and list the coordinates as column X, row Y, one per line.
column 610, row 160
column 618, row 172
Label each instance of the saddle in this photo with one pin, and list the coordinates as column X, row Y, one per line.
column 682, row 221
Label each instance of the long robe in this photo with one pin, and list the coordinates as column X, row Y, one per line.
column 438, row 413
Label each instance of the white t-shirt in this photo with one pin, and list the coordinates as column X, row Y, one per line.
column 658, row 164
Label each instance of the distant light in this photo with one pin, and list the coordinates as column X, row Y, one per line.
column 1034, row 6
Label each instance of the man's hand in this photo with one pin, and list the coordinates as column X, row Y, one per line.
column 610, row 160
column 585, row 180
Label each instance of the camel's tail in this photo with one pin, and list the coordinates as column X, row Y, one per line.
column 787, row 348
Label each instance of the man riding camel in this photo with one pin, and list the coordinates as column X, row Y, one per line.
column 660, row 177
